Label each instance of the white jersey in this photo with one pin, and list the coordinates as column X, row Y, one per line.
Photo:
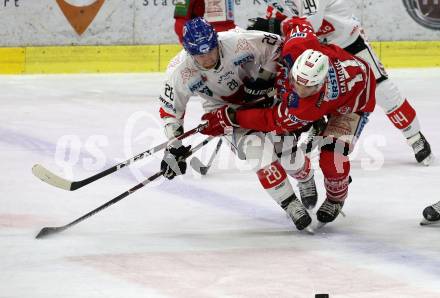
column 242, row 54
column 332, row 20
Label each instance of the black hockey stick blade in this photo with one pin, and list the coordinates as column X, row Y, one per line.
column 47, row 231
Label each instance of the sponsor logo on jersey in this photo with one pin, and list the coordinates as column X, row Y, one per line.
column 80, row 17
column 362, row 122
column 332, row 84
column 244, row 59
column 295, row 120
column 194, row 87
column 293, row 100
column 167, row 104
column 298, row 35
column 424, row 12
column 225, row 76
column 320, row 100
column 200, row 87
column 341, row 76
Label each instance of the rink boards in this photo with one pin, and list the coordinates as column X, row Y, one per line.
column 154, row 58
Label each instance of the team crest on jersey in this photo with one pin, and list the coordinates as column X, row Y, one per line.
column 243, row 45
column 187, row 73
column 344, row 110
column 243, row 59
column 332, row 84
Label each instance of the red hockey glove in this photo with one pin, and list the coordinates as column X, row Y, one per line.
column 218, row 120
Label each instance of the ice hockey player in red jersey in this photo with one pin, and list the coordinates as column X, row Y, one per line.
column 219, row 13
column 319, row 80
column 235, row 67
column 333, row 22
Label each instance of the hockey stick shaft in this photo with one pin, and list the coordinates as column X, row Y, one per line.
column 198, row 166
column 214, row 154
column 54, row 180
column 46, row 231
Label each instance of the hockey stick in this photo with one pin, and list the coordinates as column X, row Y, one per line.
column 198, row 166
column 196, row 163
column 53, row 179
column 47, row 231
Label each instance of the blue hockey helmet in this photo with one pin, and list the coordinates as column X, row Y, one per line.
column 199, row 37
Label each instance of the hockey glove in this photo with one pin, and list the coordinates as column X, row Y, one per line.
column 259, row 92
column 173, row 162
column 267, row 25
column 218, row 121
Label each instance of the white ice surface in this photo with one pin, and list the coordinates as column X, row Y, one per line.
column 216, row 236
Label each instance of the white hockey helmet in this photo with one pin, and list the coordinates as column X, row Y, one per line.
column 310, row 68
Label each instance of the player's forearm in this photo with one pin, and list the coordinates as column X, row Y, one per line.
column 257, row 119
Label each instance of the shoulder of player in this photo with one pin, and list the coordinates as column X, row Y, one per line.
column 179, row 63
column 237, row 34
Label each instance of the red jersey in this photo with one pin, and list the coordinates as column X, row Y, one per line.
column 348, row 88
column 220, row 16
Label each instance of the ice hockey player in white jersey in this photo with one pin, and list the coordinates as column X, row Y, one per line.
column 232, row 68
column 334, row 23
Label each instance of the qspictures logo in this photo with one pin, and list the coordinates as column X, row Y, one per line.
column 80, row 16
column 424, row 12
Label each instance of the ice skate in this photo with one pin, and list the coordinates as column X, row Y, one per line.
column 308, row 193
column 431, row 215
column 421, row 148
column 297, row 212
column 328, row 212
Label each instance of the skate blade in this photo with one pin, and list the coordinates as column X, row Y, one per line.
column 428, row 160
column 425, row 222
column 312, row 229
column 309, row 230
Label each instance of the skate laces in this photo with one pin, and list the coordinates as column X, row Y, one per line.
column 296, row 210
column 331, row 208
column 307, row 188
column 436, row 206
column 419, row 144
